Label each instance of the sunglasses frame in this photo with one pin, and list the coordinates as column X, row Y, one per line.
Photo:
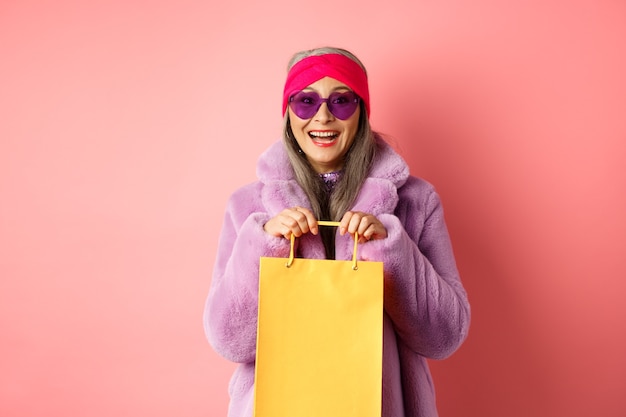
column 333, row 108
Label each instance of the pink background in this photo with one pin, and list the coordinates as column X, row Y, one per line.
column 124, row 127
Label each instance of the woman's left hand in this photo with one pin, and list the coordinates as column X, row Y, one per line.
column 366, row 225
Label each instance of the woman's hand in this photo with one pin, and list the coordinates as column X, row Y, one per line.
column 366, row 225
column 295, row 220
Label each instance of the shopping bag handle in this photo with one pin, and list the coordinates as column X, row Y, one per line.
column 325, row 223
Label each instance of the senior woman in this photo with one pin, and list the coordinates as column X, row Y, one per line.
column 330, row 165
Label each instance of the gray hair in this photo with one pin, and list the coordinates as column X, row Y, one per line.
column 356, row 166
column 325, row 50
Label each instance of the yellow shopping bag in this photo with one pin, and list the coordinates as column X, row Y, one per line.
column 319, row 337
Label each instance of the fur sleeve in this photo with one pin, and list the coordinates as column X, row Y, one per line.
column 423, row 293
column 230, row 316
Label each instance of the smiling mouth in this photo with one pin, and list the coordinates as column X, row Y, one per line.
column 323, row 136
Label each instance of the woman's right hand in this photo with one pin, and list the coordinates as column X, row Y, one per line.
column 295, row 220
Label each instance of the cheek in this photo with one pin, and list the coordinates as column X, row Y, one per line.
column 354, row 121
column 297, row 129
column 352, row 127
column 297, row 124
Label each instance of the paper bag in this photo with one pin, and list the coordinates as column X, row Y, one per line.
column 319, row 337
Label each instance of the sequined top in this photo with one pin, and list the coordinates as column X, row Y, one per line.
column 331, row 179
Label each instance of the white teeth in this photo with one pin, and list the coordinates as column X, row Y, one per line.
column 323, row 134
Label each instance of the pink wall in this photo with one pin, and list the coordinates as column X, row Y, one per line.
column 124, row 126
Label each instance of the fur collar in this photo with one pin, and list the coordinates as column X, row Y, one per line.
column 379, row 193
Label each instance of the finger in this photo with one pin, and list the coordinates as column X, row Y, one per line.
column 368, row 225
column 364, row 230
column 345, row 222
column 276, row 227
column 298, row 220
column 295, row 222
column 311, row 221
column 376, row 230
column 368, row 231
column 354, row 225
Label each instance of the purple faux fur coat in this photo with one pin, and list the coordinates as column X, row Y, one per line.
column 427, row 313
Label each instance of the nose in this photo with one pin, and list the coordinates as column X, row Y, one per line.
column 323, row 114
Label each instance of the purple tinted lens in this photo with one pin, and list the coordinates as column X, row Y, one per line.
column 306, row 103
column 343, row 105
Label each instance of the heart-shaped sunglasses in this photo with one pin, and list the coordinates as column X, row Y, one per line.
column 342, row 105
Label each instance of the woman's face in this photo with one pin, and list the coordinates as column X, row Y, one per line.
column 324, row 138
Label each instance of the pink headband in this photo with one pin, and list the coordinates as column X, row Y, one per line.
column 337, row 66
